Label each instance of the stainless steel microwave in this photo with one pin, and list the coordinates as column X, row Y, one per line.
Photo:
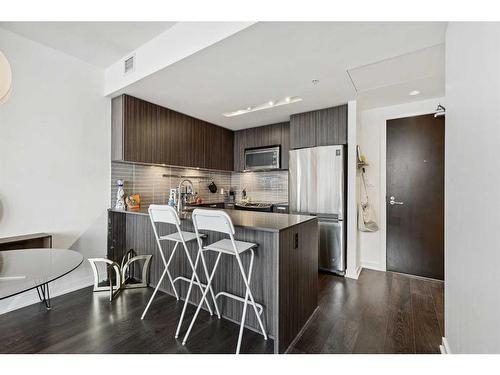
column 262, row 158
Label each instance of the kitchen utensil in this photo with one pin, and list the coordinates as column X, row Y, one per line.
column 212, row 187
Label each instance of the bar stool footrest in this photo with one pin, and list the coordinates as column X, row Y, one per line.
column 186, row 279
column 238, row 298
column 182, row 278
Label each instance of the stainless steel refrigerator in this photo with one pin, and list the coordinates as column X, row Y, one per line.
column 316, row 186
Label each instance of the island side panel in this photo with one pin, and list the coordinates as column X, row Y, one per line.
column 140, row 237
column 298, row 279
column 116, row 236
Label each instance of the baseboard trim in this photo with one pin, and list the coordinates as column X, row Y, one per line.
column 418, row 277
column 445, row 347
column 373, row 266
column 354, row 275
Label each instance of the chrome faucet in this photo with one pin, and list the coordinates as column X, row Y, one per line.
column 180, row 203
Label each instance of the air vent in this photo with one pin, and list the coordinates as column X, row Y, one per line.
column 129, row 64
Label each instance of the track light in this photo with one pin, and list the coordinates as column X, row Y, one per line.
column 268, row 105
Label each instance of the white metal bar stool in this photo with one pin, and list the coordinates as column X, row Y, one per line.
column 168, row 215
column 219, row 221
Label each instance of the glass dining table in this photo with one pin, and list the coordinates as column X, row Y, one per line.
column 27, row 269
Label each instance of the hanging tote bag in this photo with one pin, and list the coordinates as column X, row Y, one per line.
column 366, row 216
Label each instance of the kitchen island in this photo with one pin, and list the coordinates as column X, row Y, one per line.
column 285, row 271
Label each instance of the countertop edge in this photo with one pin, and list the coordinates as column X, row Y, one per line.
column 271, row 230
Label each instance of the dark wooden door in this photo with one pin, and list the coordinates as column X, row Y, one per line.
column 415, row 177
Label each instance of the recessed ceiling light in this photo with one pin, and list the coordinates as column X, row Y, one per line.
column 267, row 105
column 414, row 92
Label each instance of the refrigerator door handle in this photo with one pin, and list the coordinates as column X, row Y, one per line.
column 328, row 218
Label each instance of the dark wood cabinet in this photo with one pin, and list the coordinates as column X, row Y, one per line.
column 26, row 241
column 331, row 128
column 319, row 128
column 285, row 144
column 262, row 136
column 213, row 145
column 144, row 132
column 303, row 129
column 147, row 133
column 139, row 130
column 227, row 153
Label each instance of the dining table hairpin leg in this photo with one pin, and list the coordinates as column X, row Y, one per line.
column 44, row 294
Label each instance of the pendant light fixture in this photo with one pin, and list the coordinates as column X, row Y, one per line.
column 5, row 78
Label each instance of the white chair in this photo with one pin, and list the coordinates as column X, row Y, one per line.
column 219, row 221
column 168, row 215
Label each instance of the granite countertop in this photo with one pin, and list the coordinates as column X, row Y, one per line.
column 264, row 221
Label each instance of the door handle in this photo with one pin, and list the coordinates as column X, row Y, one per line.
column 392, row 201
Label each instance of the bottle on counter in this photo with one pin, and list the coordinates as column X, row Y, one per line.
column 171, row 198
column 120, row 196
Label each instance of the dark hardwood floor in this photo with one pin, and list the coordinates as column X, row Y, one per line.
column 379, row 313
column 86, row 322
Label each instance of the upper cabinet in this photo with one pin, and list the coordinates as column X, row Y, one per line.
column 147, row 133
column 303, row 129
column 262, row 136
column 143, row 132
column 319, row 128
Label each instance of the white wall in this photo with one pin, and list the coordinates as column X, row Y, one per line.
column 174, row 44
column 54, row 155
column 353, row 266
column 472, row 183
column 372, row 141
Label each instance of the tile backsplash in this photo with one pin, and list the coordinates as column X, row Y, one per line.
column 269, row 186
column 148, row 181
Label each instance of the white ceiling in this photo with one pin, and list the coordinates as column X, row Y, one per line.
column 416, row 65
column 268, row 61
column 98, row 43
column 273, row 60
column 390, row 81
